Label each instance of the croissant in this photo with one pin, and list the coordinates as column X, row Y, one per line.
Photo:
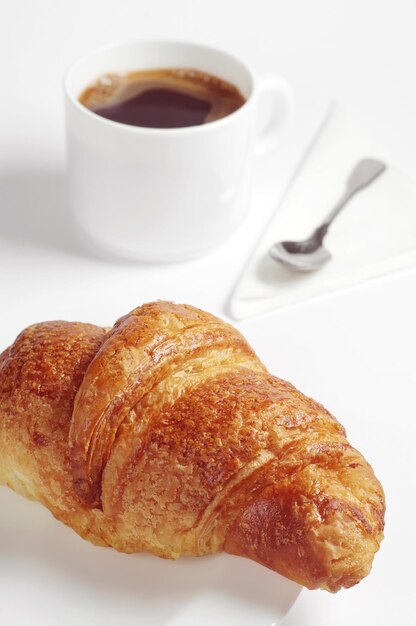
column 167, row 434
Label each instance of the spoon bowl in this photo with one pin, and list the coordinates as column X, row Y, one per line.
column 304, row 260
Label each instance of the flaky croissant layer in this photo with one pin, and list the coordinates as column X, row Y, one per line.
column 167, row 434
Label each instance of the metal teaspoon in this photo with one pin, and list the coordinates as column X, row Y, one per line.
column 310, row 254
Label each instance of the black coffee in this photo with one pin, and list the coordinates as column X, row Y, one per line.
column 165, row 98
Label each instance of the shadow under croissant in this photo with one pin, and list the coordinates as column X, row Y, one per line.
column 37, row 547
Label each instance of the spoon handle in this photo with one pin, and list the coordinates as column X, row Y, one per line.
column 362, row 175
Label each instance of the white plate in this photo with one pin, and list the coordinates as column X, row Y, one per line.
column 49, row 576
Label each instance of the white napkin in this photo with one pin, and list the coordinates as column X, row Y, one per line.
column 374, row 234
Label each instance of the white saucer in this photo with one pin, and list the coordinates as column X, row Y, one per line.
column 50, row 576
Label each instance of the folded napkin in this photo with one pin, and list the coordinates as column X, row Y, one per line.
column 373, row 235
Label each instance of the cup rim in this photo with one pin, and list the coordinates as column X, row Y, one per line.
column 168, row 132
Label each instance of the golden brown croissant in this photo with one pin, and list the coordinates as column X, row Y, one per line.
column 167, row 434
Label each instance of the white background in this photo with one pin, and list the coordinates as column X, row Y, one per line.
column 353, row 351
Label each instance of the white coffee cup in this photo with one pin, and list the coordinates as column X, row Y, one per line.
column 167, row 194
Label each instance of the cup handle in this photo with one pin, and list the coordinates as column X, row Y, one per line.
column 276, row 97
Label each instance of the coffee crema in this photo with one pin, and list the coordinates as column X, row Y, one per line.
column 162, row 98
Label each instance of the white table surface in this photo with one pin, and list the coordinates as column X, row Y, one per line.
column 354, row 351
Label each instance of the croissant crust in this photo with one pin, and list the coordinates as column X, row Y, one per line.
column 166, row 433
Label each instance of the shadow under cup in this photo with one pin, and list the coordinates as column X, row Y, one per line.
column 159, row 194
